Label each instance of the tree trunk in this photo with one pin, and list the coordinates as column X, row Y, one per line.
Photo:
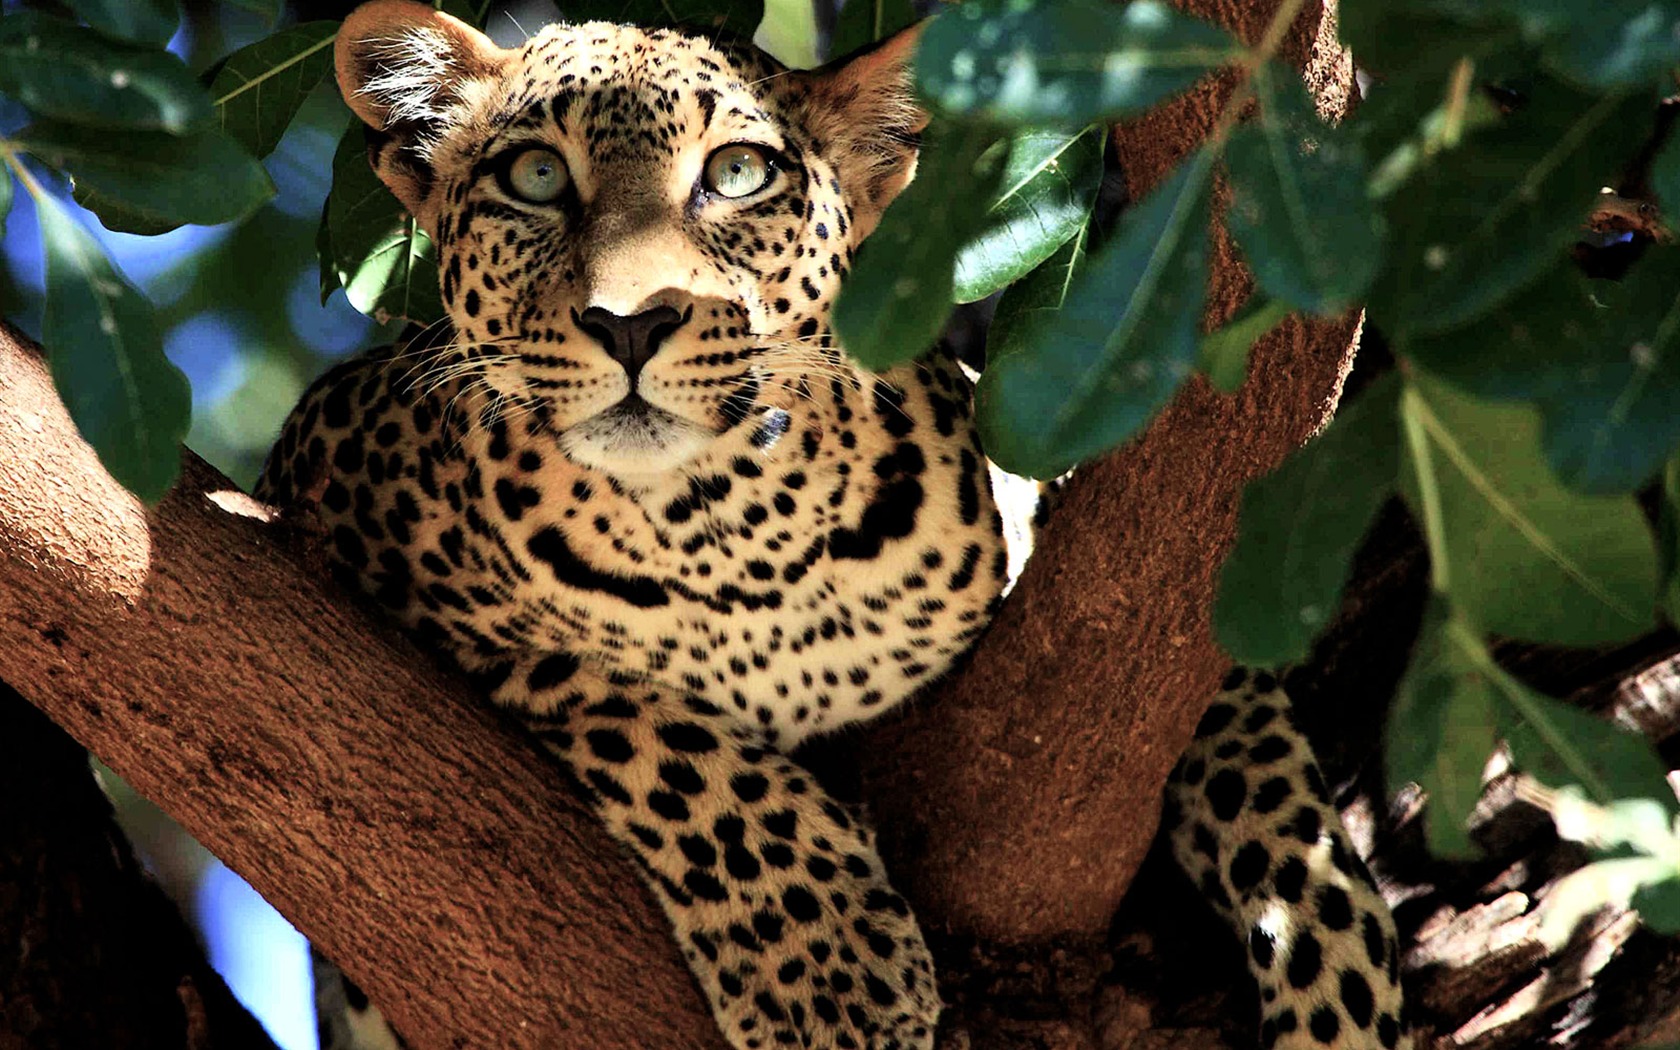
column 94, row 953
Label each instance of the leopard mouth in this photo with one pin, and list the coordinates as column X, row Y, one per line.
column 636, row 436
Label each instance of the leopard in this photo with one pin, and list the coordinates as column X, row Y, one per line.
column 637, row 490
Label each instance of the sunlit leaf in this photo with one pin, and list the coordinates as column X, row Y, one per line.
column 107, row 360
column 898, row 295
column 1455, row 700
column 203, row 177
column 863, row 22
column 143, row 21
column 72, row 73
column 1441, row 731
column 1088, row 377
column 1600, row 359
column 260, row 87
column 741, row 17
column 1033, row 301
column 1298, row 531
column 1065, row 62
column 1049, row 186
column 1519, row 554
column 1299, row 207
column 788, row 33
column 118, row 217
column 1475, row 223
column 384, row 261
column 1559, row 745
column 1223, row 354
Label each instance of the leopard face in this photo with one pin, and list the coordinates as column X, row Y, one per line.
column 639, row 232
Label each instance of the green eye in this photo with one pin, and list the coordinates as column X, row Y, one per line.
column 736, row 171
column 537, row 175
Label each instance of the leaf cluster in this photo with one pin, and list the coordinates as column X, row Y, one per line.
column 1531, row 401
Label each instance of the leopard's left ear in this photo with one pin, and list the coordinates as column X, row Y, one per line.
column 864, row 109
column 407, row 70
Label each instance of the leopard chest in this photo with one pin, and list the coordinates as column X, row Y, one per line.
column 816, row 567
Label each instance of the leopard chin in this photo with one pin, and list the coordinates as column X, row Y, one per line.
column 635, row 439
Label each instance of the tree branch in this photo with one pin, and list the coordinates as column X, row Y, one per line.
column 400, row 825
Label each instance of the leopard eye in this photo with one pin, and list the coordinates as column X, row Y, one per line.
column 537, row 175
column 737, row 171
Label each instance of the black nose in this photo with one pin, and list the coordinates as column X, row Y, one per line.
column 633, row 340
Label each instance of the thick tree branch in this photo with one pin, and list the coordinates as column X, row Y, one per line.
column 359, row 788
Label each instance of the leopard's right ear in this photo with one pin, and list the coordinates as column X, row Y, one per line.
column 407, row 71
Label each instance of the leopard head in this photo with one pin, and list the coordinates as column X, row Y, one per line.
column 639, row 231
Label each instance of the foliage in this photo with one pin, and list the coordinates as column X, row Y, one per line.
column 1531, row 401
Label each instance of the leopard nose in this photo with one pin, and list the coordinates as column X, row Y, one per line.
column 631, row 341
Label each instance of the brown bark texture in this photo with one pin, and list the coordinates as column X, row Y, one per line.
column 94, row 955
column 1017, row 807
column 405, row 829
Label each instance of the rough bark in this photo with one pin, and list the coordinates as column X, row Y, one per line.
column 1047, row 754
column 95, row 954
column 402, row 827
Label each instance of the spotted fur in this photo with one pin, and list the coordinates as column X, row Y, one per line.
column 680, row 562
column 1251, row 822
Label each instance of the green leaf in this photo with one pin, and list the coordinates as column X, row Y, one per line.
column 1600, row 359
column 1658, row 903
column 203, row 177
column 741, row 17
column 259, row 88
column 1455, row 700
column 1049, row 186
column 107, row 360
column 898, row 295
column 1665, row 175
column 1299, row 529
column 144, row 21
column 269, row 9
column 1561, row 745
column 863, row 22
column 1441, row 731
column 5, row 197
column 1223, row 355
column 1090, row 376
column 1611, row 44
column 1299, row 209
column 1066, row 62
column 1668, row 538
column 1518, row 553
column 1476, row 223
column 1030, row 303
column 384, row 261
column 72, row 73
column 788, row 33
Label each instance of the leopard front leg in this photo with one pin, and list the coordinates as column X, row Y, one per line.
column 776, row 895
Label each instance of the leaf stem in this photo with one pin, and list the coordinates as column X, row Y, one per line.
column 1429, row 490
column 10, row 154
column 1253, row 60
